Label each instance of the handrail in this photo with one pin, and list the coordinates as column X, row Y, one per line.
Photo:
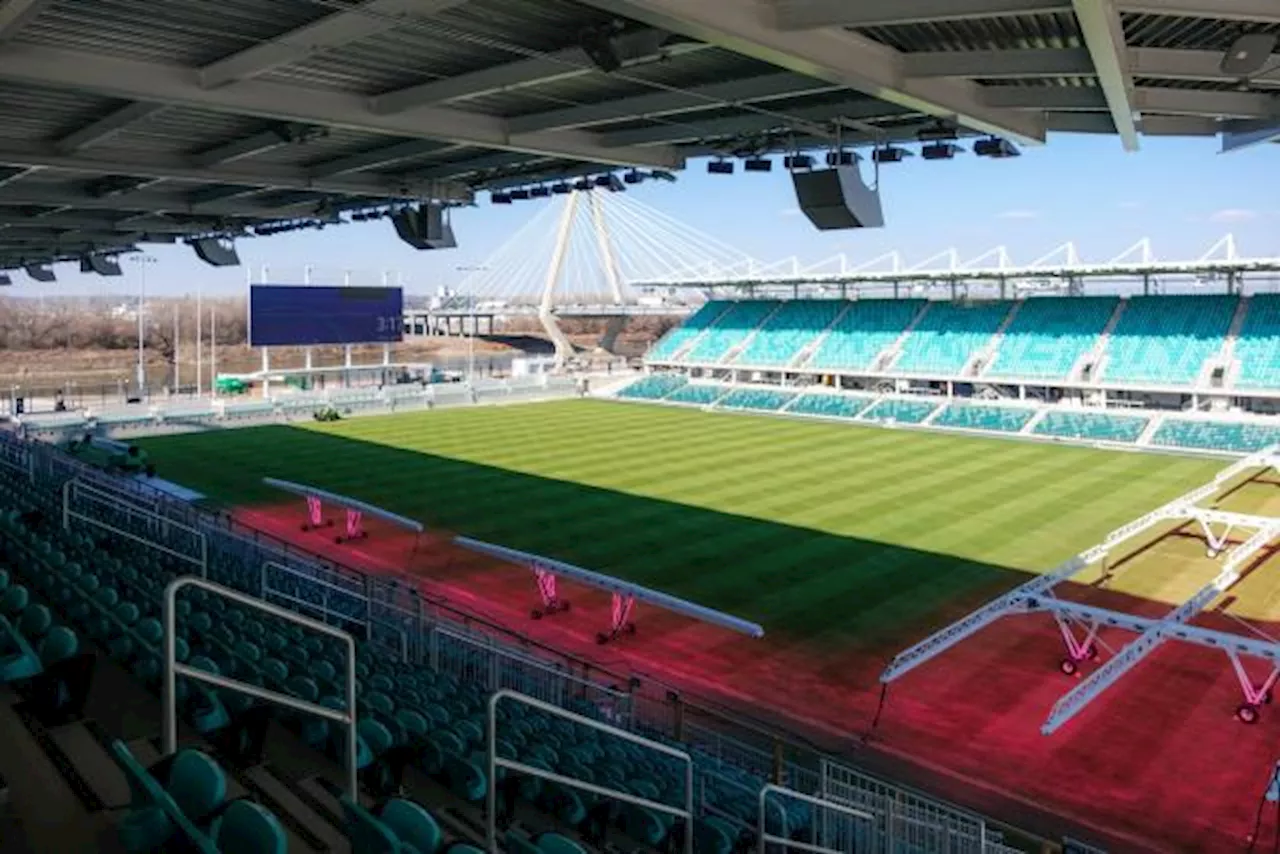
column 173, row 669
column 491, row 804
column 126, row 502
column 766, row 838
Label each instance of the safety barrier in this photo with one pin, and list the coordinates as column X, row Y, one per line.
column 112, row 510
column 174, row 668
column 840, row 830
column 496, row 762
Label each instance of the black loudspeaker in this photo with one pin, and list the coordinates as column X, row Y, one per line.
column 215, row 252
column 424, row 228
column 100, row 264
column 40, row 273
column 837, row 198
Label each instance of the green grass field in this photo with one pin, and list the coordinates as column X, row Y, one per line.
column 822, row 532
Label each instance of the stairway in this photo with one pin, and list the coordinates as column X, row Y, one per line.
column 806, row 353
column 981, row 360
column 1144, row 439
column 737, row 349
column 1097, row 354
column 1034, row 422
column 885, row 360
column 678, row 355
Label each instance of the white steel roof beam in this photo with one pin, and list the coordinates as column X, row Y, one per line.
column 16, row 14
column 370, row 19
column 857, row 109
column 814, row 14
column 163, row 168
column 656, row 104
column 147, row 203
column 384, row 155
column 107, row 126
column 1150, row 99
column 1255, row 11
column 177, row 85
column 1104, row 37
column 635, row 48
column 831, row 54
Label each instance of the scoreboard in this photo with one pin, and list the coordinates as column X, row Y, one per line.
column 303, row 315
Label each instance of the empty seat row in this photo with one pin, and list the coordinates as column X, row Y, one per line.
column 948, row 335
column 1093, row 426
column 976, row 416
column 1242, row 438
column 829, row 405
column 760, row 399
column 1049, row 335
column 902, row 410
column 653, row 387
column 1167, row 340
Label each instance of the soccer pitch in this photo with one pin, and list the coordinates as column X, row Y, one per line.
column 821, row 532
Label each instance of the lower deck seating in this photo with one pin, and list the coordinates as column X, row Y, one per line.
column 653, row 387
column 1243, row 438
column 829, row 405
column 902, row 411
column 976, row 416
column 761, row 399
column 1094, row 426
column 699, row 394
column 111, row 589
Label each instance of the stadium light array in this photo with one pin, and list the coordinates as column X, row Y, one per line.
column 995, row 148
column 720, row 167
column 757, row 164
column 940, row 151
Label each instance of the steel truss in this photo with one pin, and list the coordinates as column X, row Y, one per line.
column 1080, row 624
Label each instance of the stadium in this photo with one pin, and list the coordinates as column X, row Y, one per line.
column 959, row 558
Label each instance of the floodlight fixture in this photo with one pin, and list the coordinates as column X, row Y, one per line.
column 720, row 167
column 995, row 148
column 939, row 151
column 798, row 161
column 890, row 154
column 757, row 164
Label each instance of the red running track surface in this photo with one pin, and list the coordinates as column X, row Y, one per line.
column 1158, row 764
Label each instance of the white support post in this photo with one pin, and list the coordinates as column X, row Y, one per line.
column 601, row 228
column 564, row 348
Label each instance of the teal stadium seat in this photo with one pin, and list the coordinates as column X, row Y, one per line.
column 694, row 325
column 948, row 336
column 1094, row 426
column 977, row 416
column 829, row 405
column 653, row 387
column 794, row 326
column 729, row 330
column 1167, row 340
column 1240, row 438
column 1049, row 335
column 760, row 399
column 863, row 332
column 115, row 591
column 697, row 394
column 1258, row 345
column 248, row 828
column 902, row 411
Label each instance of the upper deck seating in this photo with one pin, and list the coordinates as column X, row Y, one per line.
column 691, row 328
column 1096, row 426
column 948, row 336
column 977, row 416
column 1167, row 340
column 1258, row 345
column 1048, row 336
column 729, row 330
column 789, row 330
column 863, row 332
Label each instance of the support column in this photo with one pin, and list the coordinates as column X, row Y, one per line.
column 564, row 348
column 266, row 370
column 346, row 363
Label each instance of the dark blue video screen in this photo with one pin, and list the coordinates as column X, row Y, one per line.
column 301, row 315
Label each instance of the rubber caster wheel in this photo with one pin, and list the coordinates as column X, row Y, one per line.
column 338, row 540
column 631, row 628
column 564, row 606
column 1068, row 667
column 536, row 614
column 1093, row 653
column 1266, row 698
column 602, row 638
column 1248, row 713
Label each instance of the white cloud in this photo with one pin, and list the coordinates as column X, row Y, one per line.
column 1233, row 215
column 1018, row 214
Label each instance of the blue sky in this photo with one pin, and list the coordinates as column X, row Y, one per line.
column 1179, row 192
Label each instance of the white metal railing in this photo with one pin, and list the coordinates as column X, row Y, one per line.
column 173, row 669
column 813, row 845
column 496, row 762
column 134, row 507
